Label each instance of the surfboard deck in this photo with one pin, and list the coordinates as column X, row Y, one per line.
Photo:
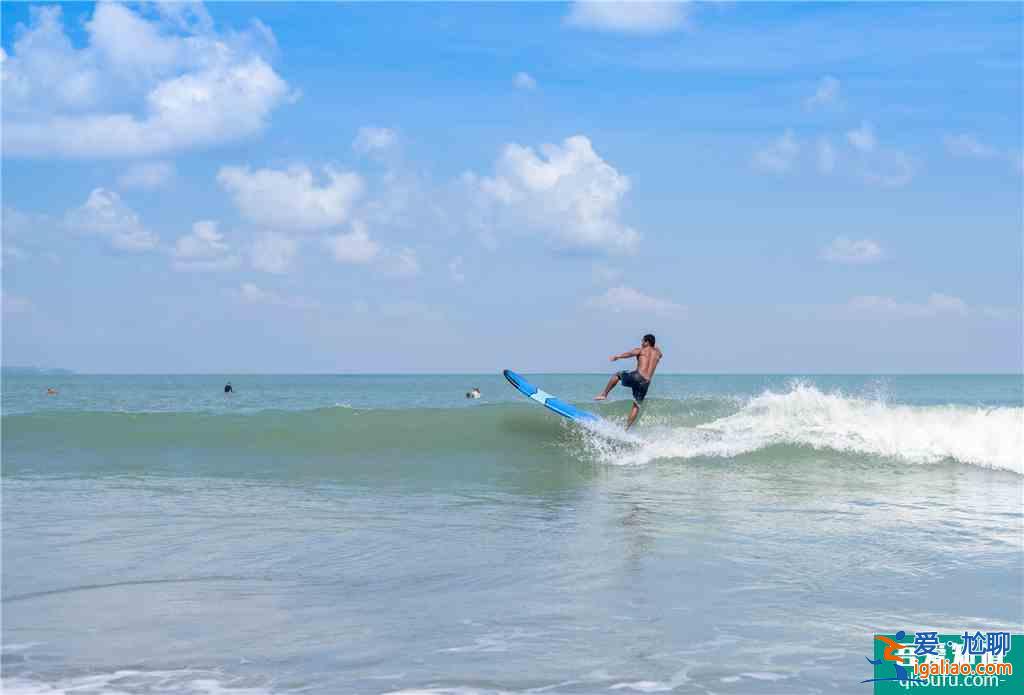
column 547, row 400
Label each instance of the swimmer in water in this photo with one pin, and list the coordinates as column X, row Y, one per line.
column 475, row 393
column 227, row 388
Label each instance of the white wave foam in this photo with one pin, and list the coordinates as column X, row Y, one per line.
column 805, row 416
column 127, row 681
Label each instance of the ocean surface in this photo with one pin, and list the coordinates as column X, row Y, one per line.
column 383, row 534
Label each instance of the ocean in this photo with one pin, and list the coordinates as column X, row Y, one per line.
column 384, row 534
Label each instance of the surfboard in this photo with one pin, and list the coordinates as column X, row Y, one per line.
column 547, row 400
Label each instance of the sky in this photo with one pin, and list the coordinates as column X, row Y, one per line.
column 325, row 188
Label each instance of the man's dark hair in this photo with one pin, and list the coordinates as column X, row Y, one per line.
column 649, row 338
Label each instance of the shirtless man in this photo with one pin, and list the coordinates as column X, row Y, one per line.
column 647, row 358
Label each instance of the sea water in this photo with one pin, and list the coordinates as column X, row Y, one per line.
column 382, row 534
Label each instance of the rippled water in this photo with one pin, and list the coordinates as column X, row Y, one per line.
column 750, row 536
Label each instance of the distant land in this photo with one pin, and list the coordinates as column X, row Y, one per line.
column 35, row 370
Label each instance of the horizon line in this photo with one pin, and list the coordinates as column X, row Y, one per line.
column 57, row 371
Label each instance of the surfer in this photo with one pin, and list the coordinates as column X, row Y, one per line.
column 639, row 380
column 228, row 388
column 473, row 393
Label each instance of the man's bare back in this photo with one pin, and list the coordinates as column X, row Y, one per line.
column 647, row 360
column 639, row 380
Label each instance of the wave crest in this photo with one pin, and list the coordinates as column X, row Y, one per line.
column 804, row 416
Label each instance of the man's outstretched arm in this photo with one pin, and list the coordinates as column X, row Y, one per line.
column 635, row 352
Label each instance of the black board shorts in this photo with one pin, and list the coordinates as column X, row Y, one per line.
column 636, row 382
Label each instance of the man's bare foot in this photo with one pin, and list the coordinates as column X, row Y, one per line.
column 600, row 398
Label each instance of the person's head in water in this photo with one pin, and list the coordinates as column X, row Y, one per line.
column 648, row 340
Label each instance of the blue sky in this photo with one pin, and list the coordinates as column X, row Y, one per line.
column 315, row 187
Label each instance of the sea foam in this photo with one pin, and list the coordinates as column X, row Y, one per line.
column 805, row 416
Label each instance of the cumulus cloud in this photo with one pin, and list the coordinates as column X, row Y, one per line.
column 871, row 162
column 291, row 198
column 844, row 250
column 628, row 17
column 566, row 192
column 140, row 86
column 826, row 94
column 273, row 253
column 203, row 249
column 779, row 156
column 889, row 168
column 624, row 299
column 965, row 145
column 863, row 138
column 355, row 247
column 882, row 166
column 105, row 215
column 146, row 175
column 253, row 294
column 524, row 81
column 372, row 139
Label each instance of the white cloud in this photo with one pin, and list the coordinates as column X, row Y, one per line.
column 140, row 86
column 371, row 139
column 203, row 249
column 105, row 215
column 355, row 247
column 455, row 270
column 844, row 250
column 826, row 156
column 146, row 175
column 273, row 253
column 936, row 305
column 882, row 166
column 624, row 299
column 524, row 81
column 966, row 145
column 780, row 156
column 863, row 138
column 566, row 192
column 252, row 293
column 629, row 17
column 826, row 94
column 878, row 165
column 889, row 168
column 290, row 198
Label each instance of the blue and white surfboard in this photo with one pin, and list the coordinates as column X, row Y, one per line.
column 547, row 400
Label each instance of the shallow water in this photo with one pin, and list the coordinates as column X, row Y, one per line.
column 749, row 536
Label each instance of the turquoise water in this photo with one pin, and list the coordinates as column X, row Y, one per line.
column 373, row 534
